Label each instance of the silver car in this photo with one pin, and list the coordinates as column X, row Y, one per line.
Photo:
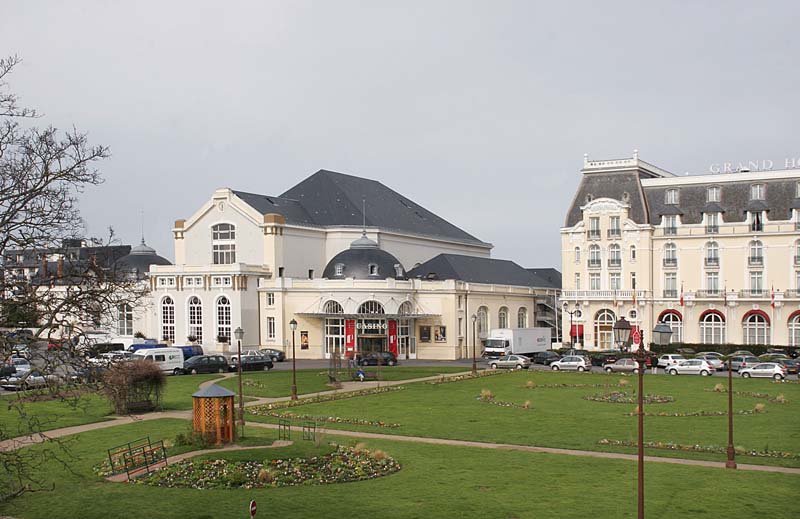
column 511, row 362
column 622, row 365
column 572, row 363
column 743, row 361
column 715, row 361
column 765, row 370
column 668, row 359
column 34, row 379
column 691, row 367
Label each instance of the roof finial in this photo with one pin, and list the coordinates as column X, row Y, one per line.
column 364, row 216
column 142, row 224
column 636, row 154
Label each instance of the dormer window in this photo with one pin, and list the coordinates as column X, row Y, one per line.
column 373, row 269
column 757, row 192
column 670, row 223
column 671, row 197
column 339, row 269
column 712, row 194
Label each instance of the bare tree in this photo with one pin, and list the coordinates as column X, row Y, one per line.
column 42, row 170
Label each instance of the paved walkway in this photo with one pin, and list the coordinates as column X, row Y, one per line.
column 20, row 442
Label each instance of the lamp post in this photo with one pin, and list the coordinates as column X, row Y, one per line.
column 571, row 314
column 293, row 326
column 474, row 365
column 239, row 334
column 731, row 463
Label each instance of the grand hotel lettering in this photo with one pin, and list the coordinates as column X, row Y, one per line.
column 753, row 165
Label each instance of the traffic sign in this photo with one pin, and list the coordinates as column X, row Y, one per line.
column 253, row 508
column 637, row 337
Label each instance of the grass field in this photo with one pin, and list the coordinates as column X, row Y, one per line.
column 436, row 481
column 560, row 417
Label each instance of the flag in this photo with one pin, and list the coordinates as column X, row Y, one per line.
column 681, row 301
column 772, row 299
column 615, row 298
column 634, row 296
column 725, row 296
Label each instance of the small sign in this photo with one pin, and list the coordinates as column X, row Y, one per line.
column 253, row 508
column 637, row 337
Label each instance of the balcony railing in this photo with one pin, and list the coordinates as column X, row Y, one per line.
column 712, row 229
column 756, row 227
column 614, row 233
column 754, row 292
column 670, row 262
column 709, row 292
column 793, row 294
column 595, row 263
column 670, row 293
column 712, row 261
column 609, row 295
column 755, row 260
column 614, row 263
column 670, row 231
column 593, row 234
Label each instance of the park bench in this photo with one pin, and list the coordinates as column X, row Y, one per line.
column 368, row 375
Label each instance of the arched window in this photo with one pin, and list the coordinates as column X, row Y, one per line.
column 755, row 328
column 594, row 254
column 502, row 317
column 124, row 319
column 223, row 319
column 614, row 255
column 522, row 317
column 223, row 243
column 674, row 320
column 196, row 318
column 712, row 327
column 577, row 254
column 371, row 307
column 794, row 330
column 633, row 252
column 604, row 329
column 338, row 269
column 406, row 308
column 168, row 319
column 333, row 307
column 756, row 253
column 483, row 321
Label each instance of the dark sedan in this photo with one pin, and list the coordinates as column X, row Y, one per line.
column 545, row 357
column 375, row 358
column 274, row 355
column 791, row 365
column 254, row 363
column 203, row 364
column 601, row 358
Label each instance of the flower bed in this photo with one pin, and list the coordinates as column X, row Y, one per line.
column 623, row 397
column 259, row 409
column 341, row 466
column 469, row 376
column 780, row 399
column 702, row 448
column 702, row 413
column 253, row 383
column 328, row 419
column 571, row 386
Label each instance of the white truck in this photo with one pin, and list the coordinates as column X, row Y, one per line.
column 517, row 341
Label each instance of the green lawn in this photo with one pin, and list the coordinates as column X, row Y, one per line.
column 274, row 384
column 436, row 481
column 560, row 417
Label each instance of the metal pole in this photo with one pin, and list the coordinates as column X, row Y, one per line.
column 241, row 398
column 474, row 365
column 641, row 355
column 294, row 366
column 731, row 463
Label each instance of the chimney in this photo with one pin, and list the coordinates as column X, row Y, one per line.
column 60, row 268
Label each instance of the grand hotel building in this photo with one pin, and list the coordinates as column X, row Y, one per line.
column 717, row 257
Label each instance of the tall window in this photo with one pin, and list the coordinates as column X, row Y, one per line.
column 594, row 228
column 756, row 253
column 270, row 298
column 633, row 252
column 756, row 221
column 756, row 282
column 614, row 255
column 670, row 284
column 712, row 223
column 483, row 321
column 124, row 319
column 615, row 229
column 633, row 280
column 712, row 283
column 604, row 329
column 577, row 254
column 794, row 331
column 502, row 317
column 522, row 317
column 594, row 256
column 405, row 343
column 712, row 328
column 594, row 281
column 712, row 194
column 712, row 253
column 615, row 281
column 223, row 319
column 755, row 328
column 577, row 281
column 270, row 328
column 223, row 243
column 675, row 323
column 196, row 318
column 671, row 196
column 670, row 255
column 757, row 192
column 334, row 329
column 168, row 319
column 670, row 222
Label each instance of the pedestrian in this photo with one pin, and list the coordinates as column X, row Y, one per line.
column 361, row 375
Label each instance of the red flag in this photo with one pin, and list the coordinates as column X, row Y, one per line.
column 681, row 302
column 634, row 297
column 725, row 296
column 772, row 301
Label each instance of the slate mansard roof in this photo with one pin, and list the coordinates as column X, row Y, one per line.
column 478, row 270
column 329, row 199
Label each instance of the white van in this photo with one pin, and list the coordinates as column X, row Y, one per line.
column 169, row 360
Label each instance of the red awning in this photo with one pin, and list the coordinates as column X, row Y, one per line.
column 576, row 330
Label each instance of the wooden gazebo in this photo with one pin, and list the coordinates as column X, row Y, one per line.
column 213, row 414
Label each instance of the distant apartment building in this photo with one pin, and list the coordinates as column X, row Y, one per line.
column 716, row 257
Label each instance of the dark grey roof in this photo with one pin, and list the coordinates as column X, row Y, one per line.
column 734, row 199
column 712, row 207
column 475, row 270
column 78, row 262
column 357, row 259
column 795, row 204
column 139, row 260
column 670, row 209
column 550, row 277
column 213, row 391
column 327, row 198
column 609, row 185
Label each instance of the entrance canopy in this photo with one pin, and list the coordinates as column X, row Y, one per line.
column 323, row 315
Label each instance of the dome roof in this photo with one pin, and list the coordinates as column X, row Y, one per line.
column 364, row 260
column 138, row 261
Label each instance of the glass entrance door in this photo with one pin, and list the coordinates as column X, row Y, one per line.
column 370, row 344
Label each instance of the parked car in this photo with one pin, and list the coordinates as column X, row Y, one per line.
column 791, row 365
column 104, row 359
column 385, row 358
column 601, row 358
column 21, row 364
column 204, row 364
column 247, row 353
column 691, row 367
column 545, row 357
column 89, row 374
column 192, row 350
column 740, row 353
column 275, row 355
column 716, row 362
column 669, row 359
column 572, row 363
column 511, row 362
column 7, row 369
column 743, row 361
column 765, row 370
column 254, row 363
column 30, row 380
column 710, row 354
column 686, row 351
column 622, row 366
column 772, row 357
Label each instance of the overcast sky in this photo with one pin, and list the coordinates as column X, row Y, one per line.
column 479, row 111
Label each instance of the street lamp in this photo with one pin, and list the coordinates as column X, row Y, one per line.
column 293, row 326
column 731, row 462
column 571, row 314
column 474, row 366
column 239, row 334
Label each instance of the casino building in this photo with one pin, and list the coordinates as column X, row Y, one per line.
column 357, row 265
column 716, row 257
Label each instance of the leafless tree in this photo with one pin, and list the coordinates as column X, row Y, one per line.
column 42, row 171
